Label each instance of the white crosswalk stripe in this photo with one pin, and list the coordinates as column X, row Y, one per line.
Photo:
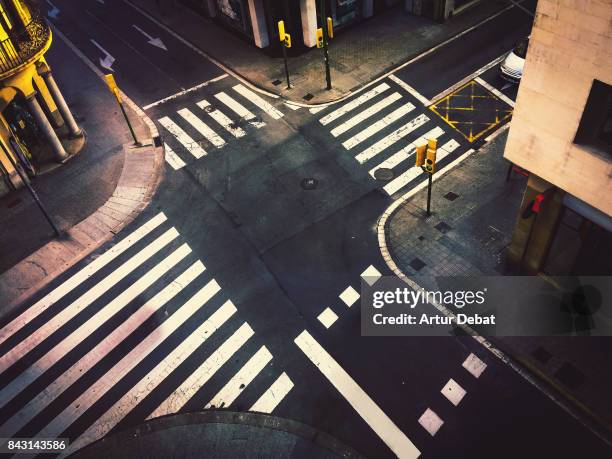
column 378, row 123
column 202, row 127
column 159, row 313
column 190, row 128
column 377, row 126
column 222, row 119
column 183, row 138
column 260, row 102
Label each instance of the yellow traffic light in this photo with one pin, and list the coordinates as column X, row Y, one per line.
column 320, row 37
column 420, row 154
column 112, row 86
column 430, row 158
column 281, row 30
column 287, row 41
column 330, row 27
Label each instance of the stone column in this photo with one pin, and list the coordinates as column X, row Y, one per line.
column 62, row 106
column 258, row 23
column 308, row 11
column 367, row 10
column 46, row 128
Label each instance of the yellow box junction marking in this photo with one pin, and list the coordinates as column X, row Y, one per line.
column 472, row 110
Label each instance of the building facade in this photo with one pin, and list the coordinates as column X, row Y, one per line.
column 255, row 20
column 32, row 108
column 561, row 134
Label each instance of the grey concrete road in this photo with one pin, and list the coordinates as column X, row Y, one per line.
column 213, row 297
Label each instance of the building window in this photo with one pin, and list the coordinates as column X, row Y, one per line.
column 595, row 129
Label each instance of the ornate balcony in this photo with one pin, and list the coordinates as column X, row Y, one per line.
column 25, row 44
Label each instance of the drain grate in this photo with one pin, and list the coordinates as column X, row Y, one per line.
column 451, row 196
column 443, row 227
column 384, row 174
column 308, row 96
column 417, row 264
column 276, row 82
column 309, row 183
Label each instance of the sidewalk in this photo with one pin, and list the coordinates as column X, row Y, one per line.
column 90, row 198
column 473, row 214
column 219, row 434
column 357, row 55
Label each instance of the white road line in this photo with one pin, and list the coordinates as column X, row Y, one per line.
column 315, row 110
column 370, row 275
column 292, row 106
column 368, row 112
column 274, row 395
column 262, row 104
column 222, row 119
column 60, row 291
column 453, row 392
column 474, row 365
column 495, row 91
column 349, row 296
column 172, row 158
column 88, row 327
column 150, row 381
column 402, row 180
column 184, row 139
column 353, row 104
column 430, row 421
column 327, row 317
column 95, row 292
column 95, row 355
column 235, row 386
column 239, row 109
column 201, row 127
column 388, row 432
column 407, row 151
column 392, row 138
column 413, row 92
column 184, row 91
column 204, row 372
column 378, row 126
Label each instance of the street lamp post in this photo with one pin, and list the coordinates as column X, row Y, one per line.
column 325, row 49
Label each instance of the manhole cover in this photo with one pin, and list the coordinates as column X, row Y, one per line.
column 276, row 82
column 309, row 183
column 308, row 96
column 384, row 174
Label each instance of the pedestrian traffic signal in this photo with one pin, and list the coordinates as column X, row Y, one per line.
column 330, row 27
column 320, row 37
column 281, row 30
column 287, row 41
column 430, row 157
column 420, row 154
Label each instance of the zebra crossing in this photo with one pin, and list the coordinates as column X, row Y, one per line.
column 381, row 128
column 209, row 125
column 108, row 341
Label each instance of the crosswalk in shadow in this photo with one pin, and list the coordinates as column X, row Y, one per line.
column 143, row 325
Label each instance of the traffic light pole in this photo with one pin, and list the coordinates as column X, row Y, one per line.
column 429, row 194
column 31, row 190
column 325, row 50
column 286, row 64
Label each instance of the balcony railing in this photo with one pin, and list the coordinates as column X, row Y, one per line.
column 24, row 44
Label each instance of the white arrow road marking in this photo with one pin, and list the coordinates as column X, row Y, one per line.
column 152, row 41
column 107, row 62
column 54, row 11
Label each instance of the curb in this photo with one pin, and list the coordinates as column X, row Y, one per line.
column 562, row 398
column 253, row 419
column 278, row 95
column 141, row 174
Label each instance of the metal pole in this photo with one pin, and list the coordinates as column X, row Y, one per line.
column 429, row 195
column 325, row 50
column 286, row 65
column 136, row 142
column 31, row 190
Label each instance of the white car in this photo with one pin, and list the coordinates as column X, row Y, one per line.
column 511, row 68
